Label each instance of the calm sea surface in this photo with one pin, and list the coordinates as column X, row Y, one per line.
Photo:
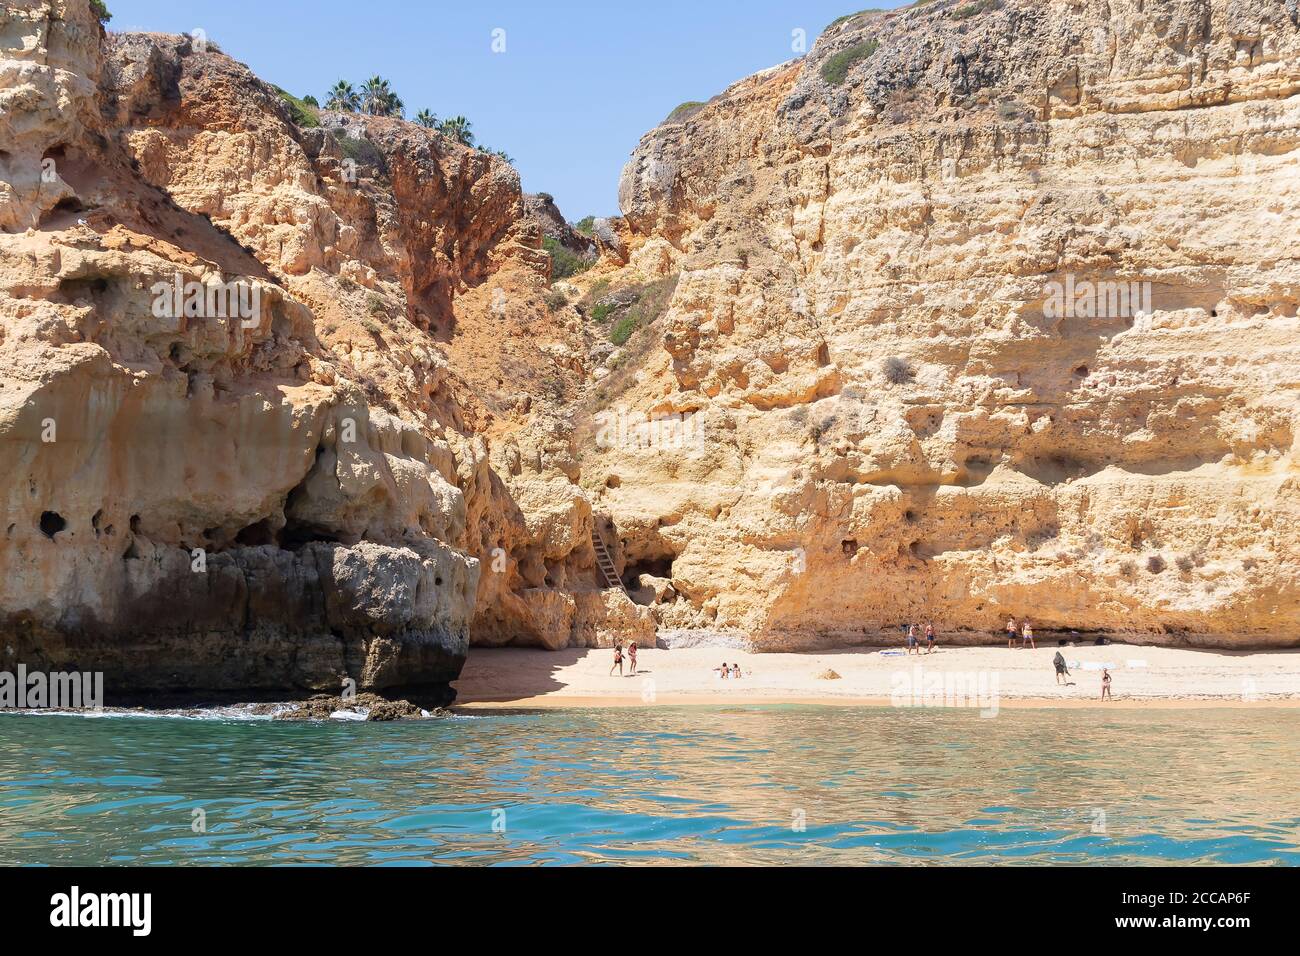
column 743, row 785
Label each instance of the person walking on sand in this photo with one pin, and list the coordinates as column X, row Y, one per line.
column 1059, row 663
column 911, row 640
column 1027, row 635
column 618, row 659
column 1105, row 685
column 1012, row 631
column 631, row 657
column 929, row 637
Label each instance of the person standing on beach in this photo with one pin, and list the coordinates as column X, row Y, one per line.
column 929, row 637
column 1105, row 685
column 911, row 640
column 1059, row 663
column 1027, row 635
column 618, row 659
column 1012, row 631
column 631, row 657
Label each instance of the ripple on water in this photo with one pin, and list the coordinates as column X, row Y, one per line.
column 654, row 785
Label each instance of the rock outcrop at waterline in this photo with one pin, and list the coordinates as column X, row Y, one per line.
column 896, row 413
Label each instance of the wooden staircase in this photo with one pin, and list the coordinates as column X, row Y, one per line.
column 605, row 564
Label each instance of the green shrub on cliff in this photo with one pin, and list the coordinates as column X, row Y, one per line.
column 303, row 113
column 837, row 67
column 851, row 16
column 622, row 330
column 98, row 8
column 971, row 9
column 564, row 262
column 683, row 110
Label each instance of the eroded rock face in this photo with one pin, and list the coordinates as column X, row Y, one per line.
column 854, row 392
column 895, row 413
column 300, row 489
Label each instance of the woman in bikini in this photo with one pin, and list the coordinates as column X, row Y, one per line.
column 631, row 657
column 1105, row 685
column 618, row 659
column 1027, row 636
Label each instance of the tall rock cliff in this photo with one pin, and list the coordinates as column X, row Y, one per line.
column 981, row 309
column 306, row 472
column 978, row 308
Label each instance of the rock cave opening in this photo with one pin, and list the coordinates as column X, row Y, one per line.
column 52, row 523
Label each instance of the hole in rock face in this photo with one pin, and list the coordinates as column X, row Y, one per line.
column 297, row 533
column 909, row 516
column 849, row 546
column 256, row 534
column 438, row 581
column 135, row 524
column 52, row 523
column 1081, row 371
column 659, row 567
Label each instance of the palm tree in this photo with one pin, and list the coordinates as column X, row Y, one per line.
column 378, row 100
column 458, row 128
column 427, row 119
column 498, row 153
column 342, row 97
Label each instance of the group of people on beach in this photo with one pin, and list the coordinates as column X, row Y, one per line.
column 913, row 638
column 618, row 658
column 1024, row 632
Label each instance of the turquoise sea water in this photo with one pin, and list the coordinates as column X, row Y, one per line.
column 655, row 785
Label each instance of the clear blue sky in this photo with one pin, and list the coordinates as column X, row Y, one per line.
column 579, row 82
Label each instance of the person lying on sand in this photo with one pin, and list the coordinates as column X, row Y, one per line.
column 631, row 657
column 618, row 659
column 1105, row 685
column 1059, row 663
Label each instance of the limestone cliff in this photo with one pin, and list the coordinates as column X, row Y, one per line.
column 905, row 371
column 313, row 490
column 978, row 308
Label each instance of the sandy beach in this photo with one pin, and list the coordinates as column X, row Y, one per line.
column 1142, row 677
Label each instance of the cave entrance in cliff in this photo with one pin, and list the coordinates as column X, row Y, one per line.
column 659, row 567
